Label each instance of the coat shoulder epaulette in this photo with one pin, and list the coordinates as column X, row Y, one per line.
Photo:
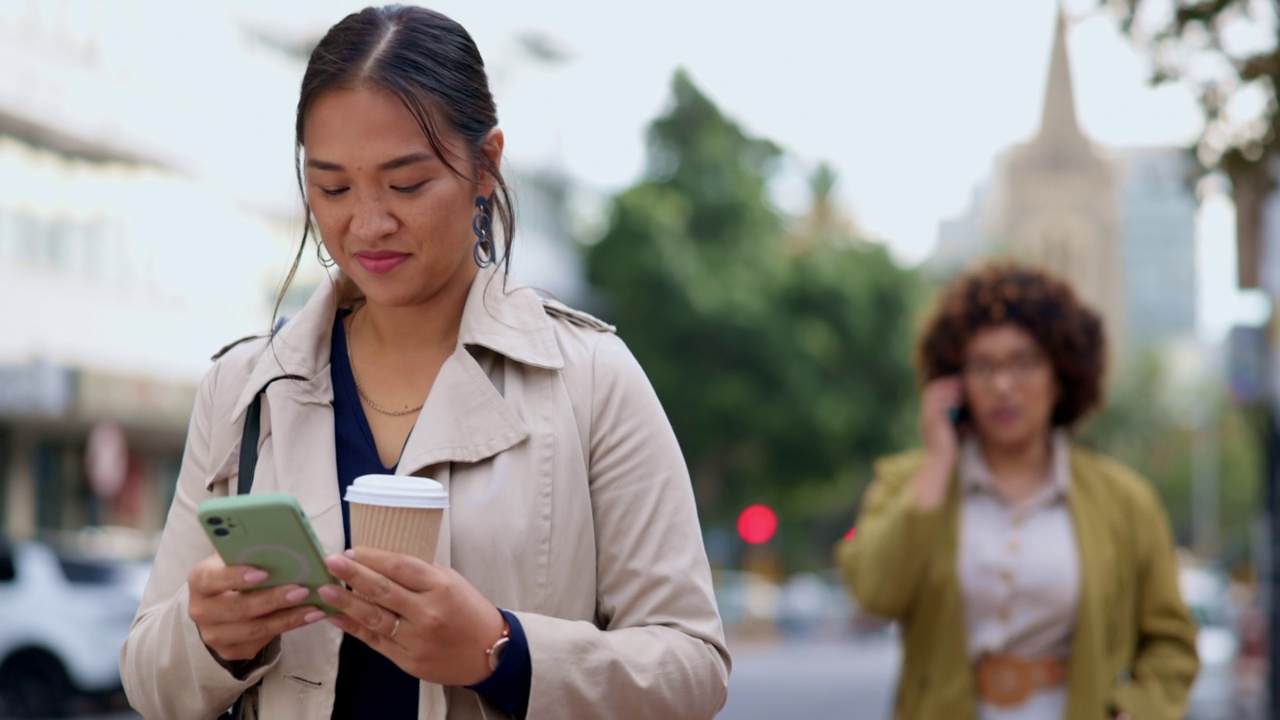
column 280, row 322
column 557, row 309
column 233, row 344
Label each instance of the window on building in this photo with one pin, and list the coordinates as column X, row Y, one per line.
column 62, row 494
column 28, row 240
column 93, row 247
column 57, row 243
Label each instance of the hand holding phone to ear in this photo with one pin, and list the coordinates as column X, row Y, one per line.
column 941, row 440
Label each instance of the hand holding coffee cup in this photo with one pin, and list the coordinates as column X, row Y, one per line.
column 427, row 619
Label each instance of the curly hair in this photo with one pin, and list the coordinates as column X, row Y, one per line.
column 1070, row 333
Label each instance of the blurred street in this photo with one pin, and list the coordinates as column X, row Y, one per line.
column 813, row 679
column 809, row 679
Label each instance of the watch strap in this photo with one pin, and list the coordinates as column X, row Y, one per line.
column 494, row 652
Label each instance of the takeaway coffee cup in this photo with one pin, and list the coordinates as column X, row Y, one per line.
column 398, row 513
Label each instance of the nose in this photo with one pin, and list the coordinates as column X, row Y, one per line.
column 1003, row 381
column 371, row 220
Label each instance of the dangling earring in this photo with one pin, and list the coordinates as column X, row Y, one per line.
column 484, row 253
column 325, row 260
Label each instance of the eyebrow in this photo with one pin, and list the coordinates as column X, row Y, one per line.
column 399, row 162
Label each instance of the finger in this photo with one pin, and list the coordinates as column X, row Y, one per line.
column 374, row 585
column 241, row 606
column 244, row 639
column 408, row 571
column 378, row 641
column 361, row 610
column 948, row 388
column 212, row 577
column 938, row 405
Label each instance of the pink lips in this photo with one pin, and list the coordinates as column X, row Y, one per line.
column 381, row 261
column 1005, row 415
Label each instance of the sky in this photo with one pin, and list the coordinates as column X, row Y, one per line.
column 910, row 102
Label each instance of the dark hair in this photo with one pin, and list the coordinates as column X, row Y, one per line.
column 1069, row 332
column 431, row 64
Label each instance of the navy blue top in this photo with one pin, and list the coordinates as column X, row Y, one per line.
column 370, row 685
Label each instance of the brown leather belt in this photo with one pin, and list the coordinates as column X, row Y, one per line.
column 1009, row 681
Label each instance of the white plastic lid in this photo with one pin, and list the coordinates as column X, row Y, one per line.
column 397, row 491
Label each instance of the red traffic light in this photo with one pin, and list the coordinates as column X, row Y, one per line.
column 757, row 524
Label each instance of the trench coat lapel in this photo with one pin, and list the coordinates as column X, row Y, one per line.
column 305, row 462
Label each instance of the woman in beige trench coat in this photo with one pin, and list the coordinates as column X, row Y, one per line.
column 571, row 534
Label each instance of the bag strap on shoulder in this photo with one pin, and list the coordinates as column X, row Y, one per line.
column 249, row 445
column 248, row 465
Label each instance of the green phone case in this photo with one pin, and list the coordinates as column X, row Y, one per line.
column 269, row 531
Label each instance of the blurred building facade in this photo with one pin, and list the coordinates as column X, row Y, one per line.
column 96, row 226
column 1159, row 209
column 1119, row 224
column 1060, row 206
column 126, row 261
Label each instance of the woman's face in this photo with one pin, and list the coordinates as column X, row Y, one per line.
column 392, row 215
column 1010, row 385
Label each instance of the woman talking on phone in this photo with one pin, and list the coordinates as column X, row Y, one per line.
column 1034, row 580
column 570, row 579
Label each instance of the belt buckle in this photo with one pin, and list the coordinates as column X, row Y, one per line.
column 1004, row 681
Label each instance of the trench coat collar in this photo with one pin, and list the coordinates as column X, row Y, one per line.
column 499, row 315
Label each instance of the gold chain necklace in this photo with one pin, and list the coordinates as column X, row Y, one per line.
column 351, row 360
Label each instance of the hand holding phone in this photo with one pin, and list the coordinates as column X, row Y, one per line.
column 939, row 412
column 263, row 580
column 942, row 409
column 270, row 532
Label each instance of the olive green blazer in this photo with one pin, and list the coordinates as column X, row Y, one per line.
column 1134, row 644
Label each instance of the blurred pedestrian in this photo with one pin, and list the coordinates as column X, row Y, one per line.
column 1034, row 579
column 571, row 507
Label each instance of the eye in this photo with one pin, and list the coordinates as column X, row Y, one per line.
column 333, row 192
column 409, row 189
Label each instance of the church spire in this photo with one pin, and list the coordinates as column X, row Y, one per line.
column 1059, row 128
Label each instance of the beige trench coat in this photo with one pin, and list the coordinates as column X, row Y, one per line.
column 570, row 505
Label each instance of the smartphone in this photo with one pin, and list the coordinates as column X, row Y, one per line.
column 269, row 531
column 959, row 415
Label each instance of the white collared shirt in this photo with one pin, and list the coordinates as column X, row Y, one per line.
column 1019, row 570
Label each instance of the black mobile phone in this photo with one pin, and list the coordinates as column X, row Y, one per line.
column 959, row 414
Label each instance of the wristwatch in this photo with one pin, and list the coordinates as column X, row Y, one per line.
column 495, row 651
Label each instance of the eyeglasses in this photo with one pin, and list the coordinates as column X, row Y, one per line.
column 1021, row 367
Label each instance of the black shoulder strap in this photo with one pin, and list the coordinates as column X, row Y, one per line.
column 248, row 465
column 249, row 437
column 249, row 445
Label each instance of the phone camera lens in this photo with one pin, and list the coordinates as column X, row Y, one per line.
column 214, row 521
column 222, row 532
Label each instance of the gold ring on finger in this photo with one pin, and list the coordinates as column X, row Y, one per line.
column 394, row 628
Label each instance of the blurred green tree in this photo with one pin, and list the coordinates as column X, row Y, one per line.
column 780, row 356
column 1227, row 52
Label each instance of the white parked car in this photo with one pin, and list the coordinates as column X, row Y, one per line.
column 1213, row 696
column 62, row 622
column 810, row 605
column 745, row 598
